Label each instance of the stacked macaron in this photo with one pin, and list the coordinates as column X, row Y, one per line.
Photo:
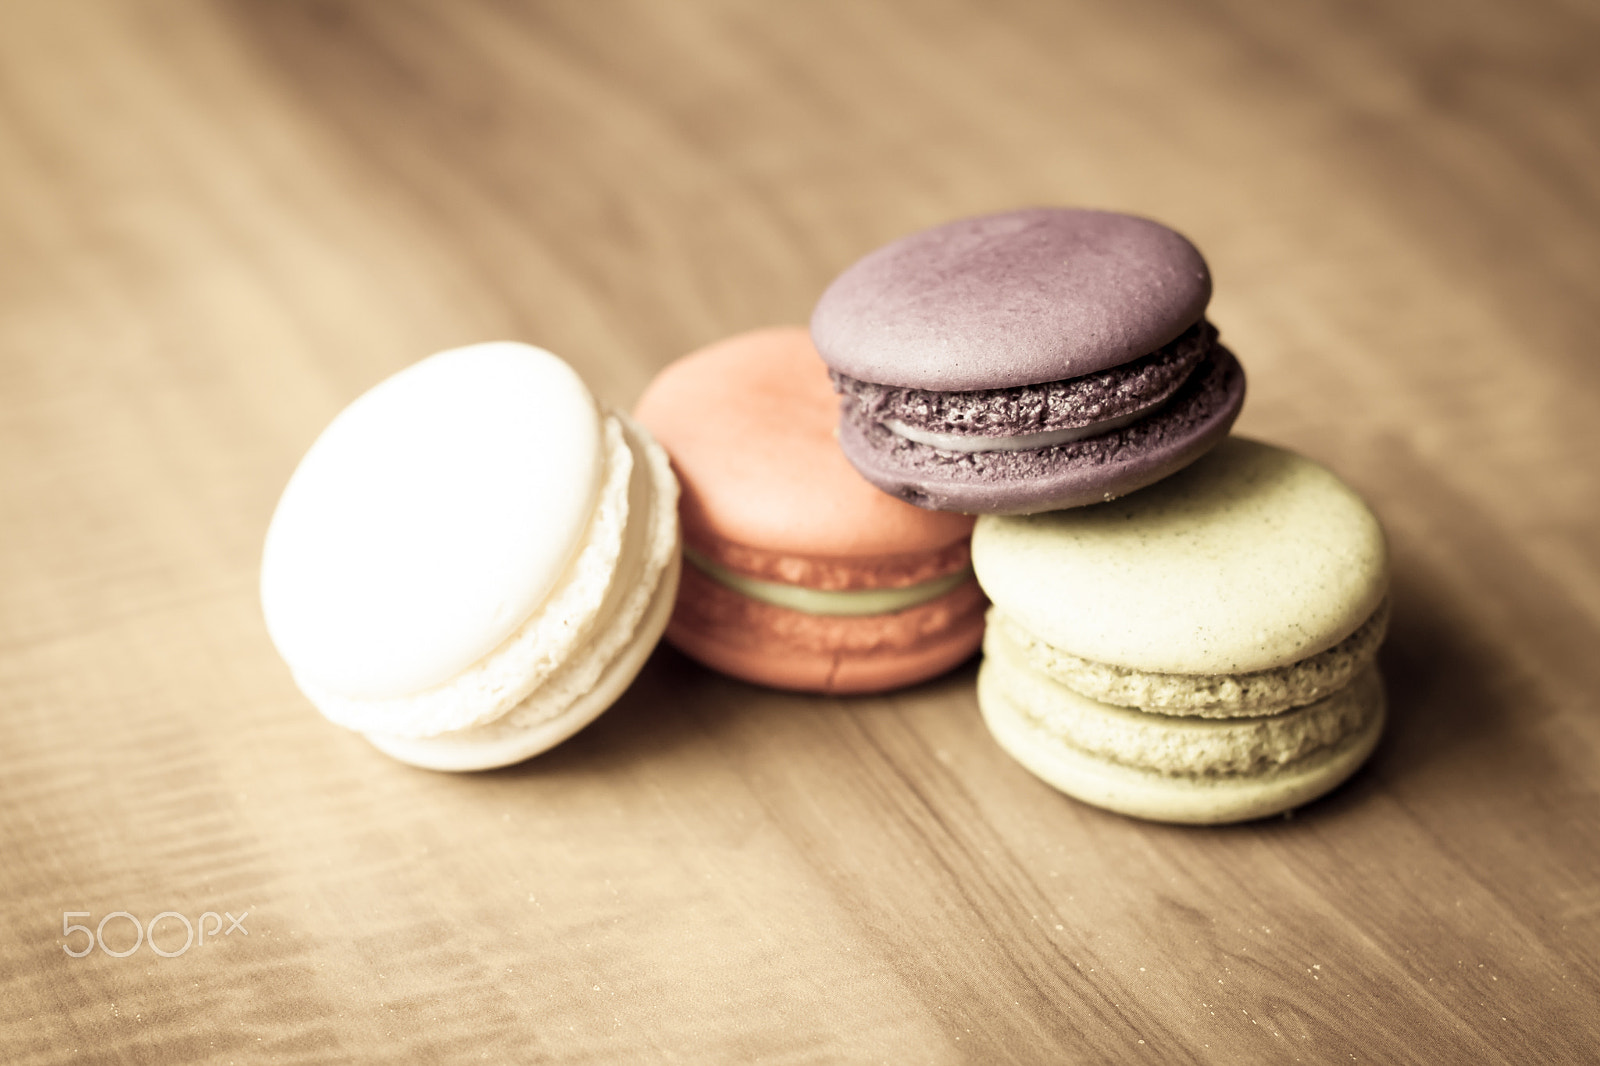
column 1184, row 624
column 1199, row 651
column 473, row 560
column 799, row 574
column 1027, row 361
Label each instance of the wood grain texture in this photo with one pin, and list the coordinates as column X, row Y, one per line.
column 221, row 221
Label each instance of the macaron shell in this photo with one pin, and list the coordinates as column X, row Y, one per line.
column 628, row 622
column 1070, row 475
column 1194, row 800
column 491, row 748
column 546, row 640
column 787, row 649
column 1251, row 558
column 429, row 519
column 750, row 424
column 1008, row 299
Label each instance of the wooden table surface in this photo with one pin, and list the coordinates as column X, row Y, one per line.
column 219, row 222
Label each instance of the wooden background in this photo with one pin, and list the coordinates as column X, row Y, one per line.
column 221, row 221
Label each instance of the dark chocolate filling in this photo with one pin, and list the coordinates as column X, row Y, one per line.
column 1052, row 405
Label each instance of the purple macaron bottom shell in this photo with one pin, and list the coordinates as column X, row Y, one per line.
column 1081, row 472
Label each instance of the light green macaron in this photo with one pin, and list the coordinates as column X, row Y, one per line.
column 1199, row 651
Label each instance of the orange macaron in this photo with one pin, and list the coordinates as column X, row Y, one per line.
column 799, row 574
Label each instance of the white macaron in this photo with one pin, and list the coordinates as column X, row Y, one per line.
column 473, row 560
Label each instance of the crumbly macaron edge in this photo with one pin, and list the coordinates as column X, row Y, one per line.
column 1087, row 471
column 720, row 613
column 492, row 746
column 619, row 620
column 835, row 573
column 1136, row 388
column 1175, row 746
column 1154, row 796
column 1244, row 695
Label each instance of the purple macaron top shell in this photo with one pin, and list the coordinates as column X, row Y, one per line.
column 1016, row 298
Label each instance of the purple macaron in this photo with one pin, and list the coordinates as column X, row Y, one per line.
column 1027, row 361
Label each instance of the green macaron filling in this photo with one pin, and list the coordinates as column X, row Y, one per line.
column 851, row 603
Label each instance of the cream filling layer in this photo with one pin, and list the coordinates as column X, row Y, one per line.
column 962, row 442
column 850, row 603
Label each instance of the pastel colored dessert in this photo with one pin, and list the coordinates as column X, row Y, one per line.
column 473, row 560
column 800, row 575
column 1200, row 651
column 1027, row 361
